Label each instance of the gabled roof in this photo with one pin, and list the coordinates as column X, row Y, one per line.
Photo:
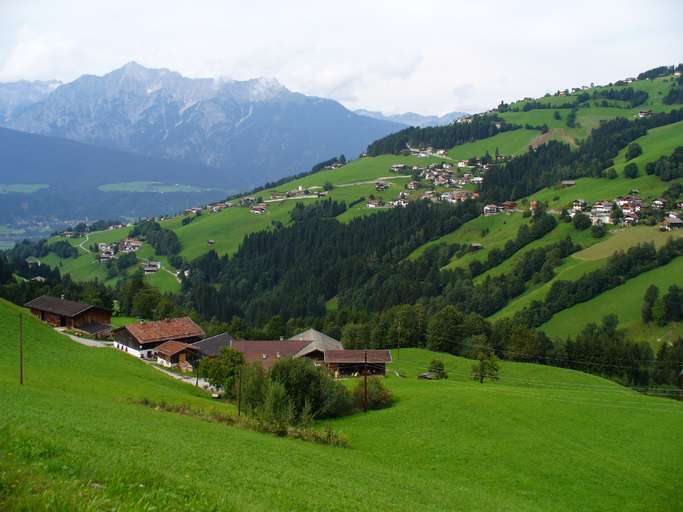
column 319, row 341
column 357, row 356
column 267, row 353
column 68, row 308
column 171, row 348
column 211, row 347
column 169, row 329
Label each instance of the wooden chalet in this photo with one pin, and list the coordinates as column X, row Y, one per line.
column 143, row 338
column 176, row 354
column 355, row 362
column 58, row 312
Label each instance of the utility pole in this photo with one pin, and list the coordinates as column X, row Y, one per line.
column 21, row 350
column 365, row 381
column 398, row 350
column 239, row 392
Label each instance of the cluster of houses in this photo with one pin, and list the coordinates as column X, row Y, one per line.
column 107, row 251
column 504, row 207
column 443, row 175
column 181, row 343
column 631, row 207
column 299, row 192
column 425, row 152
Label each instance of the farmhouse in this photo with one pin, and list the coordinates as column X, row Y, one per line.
column 643, row 114
column 142, row 339
column 381, row 185
column 93, row 320
column 354, row 362
column 413, row 185
column 490, row 209
column 258, row 209
column 151, row 267
column 375, row 203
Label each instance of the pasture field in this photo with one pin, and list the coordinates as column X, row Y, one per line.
column 514, row 142
column 622, row 239
column 541, row 438
column 561, row 232
column 491, row 231
column 626, row 302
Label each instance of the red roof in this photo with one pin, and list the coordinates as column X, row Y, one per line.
column 171, row 348
column 357, row 356
column 169, row 329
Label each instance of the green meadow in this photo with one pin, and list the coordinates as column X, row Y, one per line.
column 625, row 301
column 541, row 438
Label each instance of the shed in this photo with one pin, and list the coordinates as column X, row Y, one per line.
column 59, row 312
column 354, row 362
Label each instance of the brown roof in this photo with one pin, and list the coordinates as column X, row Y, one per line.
column 357, row 356
column 266, row 353
column 58, row 306
column 169, row 329
column 171, row 348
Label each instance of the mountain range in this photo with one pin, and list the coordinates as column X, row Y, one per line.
column 413, row 119
column 254, row 130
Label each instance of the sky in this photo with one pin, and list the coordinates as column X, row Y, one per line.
column 425, row 56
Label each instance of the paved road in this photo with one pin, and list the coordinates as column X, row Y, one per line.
column 85, row 341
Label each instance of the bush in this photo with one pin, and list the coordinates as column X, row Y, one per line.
column 611, row 174
column 437, row 368
column 631, row 170
column 582, row 221
column 304, row 383
column 379, row 396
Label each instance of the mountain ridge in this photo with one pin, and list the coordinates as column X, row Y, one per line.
column 257, row 129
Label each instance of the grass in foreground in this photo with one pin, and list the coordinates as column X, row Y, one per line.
column 536, row 440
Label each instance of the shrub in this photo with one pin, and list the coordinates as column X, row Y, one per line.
column 379, row 396
column 305, row 383
column 611, row 174
column 437, row 368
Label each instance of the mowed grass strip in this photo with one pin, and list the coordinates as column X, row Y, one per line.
column 71, row 439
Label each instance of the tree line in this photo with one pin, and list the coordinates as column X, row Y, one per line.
column 478, row 127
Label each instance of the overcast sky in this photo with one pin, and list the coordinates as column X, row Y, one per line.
column 425, row 56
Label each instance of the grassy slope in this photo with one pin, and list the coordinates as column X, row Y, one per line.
column 501, row 228
column 508, row 143
column 585, row 261
column 536, row 440
column 626, row 302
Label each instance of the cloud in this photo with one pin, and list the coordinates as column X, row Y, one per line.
column 431, row 56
